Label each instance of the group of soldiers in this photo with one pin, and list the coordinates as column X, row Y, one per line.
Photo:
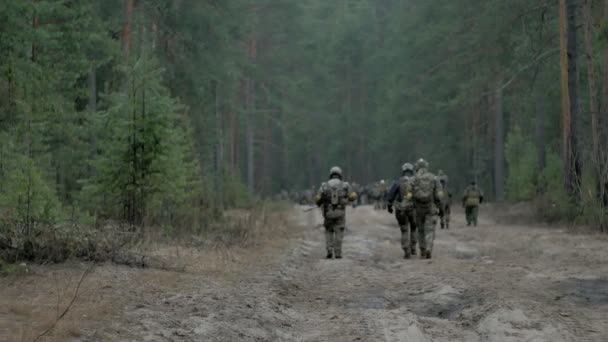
column 419, row 199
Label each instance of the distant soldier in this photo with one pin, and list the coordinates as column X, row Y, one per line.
column 333, row 197
column 404, row 210
column 425, row 190
column 356, row 188
column 379, row 195
column 471, row 199
column 445, row 209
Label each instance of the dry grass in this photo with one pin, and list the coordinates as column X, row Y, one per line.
column 31, row 304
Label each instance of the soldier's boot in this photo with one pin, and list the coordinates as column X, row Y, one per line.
column 330, row 254
column 428, row 254
column 422, row 253
column 406, row 253
column 338, row 254
column 413, row 250
column 442, row 224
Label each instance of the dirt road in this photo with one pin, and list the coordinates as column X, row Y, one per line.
column 495, row 282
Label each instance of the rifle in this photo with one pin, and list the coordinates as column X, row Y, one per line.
column 309, row 209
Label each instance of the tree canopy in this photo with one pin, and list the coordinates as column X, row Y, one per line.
column 156, row 111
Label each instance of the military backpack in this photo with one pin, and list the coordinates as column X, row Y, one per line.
column 424, row 188
column 335, row 193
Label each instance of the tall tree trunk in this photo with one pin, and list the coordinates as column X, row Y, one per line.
column 234, row 127
column 593, row 100
column 568, row 65
column 35, row 27
column 349, row 109
column 540, row 139
column 92, row 107
column 499, row 145
column 475, row 140
column 126, row 27
column 602, row 120
column 219, row 128
column 362, row 167
column 250, row 102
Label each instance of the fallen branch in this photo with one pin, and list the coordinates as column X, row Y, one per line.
column 44, row 333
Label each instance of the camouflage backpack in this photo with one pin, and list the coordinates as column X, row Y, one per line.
column 473, row 197
column 405, row 204
column 335, row 192
column 424, row 188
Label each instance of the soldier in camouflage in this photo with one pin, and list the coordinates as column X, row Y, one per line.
column 471, row 199
column 445, row 209
column 333, row 197
column 425, row 190
column 379, row 195
column 404, row 210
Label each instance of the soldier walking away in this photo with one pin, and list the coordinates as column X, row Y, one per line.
column 333, row 197
column 471, row 199
column 379, row 194
column 426, row 192
column 445, row 209
column 404, row 210
column 356, row 188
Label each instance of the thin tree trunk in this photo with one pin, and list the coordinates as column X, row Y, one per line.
column 499, row 146
column 540, row 139
column 35, row 27
column 593, row 100
column 126, row 27
column 250, row 133
column 572, row 167
column 349, row 109
column 92, row 107
column 219, row 124
column 602, row 122
column 475, row 139
column 362, row 148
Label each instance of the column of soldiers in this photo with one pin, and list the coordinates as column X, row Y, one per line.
column 419, row 199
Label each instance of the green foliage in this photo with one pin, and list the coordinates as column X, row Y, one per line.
column 520, row 154
column 554, row 204
column 26, row 200
column 145, row 165
column 235, row 192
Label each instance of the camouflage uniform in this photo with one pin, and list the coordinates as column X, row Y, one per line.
column 404, row 210
column 379, row 195
column 333, row 197
column 356, row 188
column 471, row 199
column 445, row 209
column 425, row 190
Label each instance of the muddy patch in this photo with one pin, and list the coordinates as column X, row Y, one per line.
column 444, row 302
column 584, row 291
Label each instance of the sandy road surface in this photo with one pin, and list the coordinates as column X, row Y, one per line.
column 494, row 282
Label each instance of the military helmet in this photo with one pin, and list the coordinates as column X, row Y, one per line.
column 382, row 181
column 407, row 167
column 421, row 164
column 440, row 173
column 335, row 171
